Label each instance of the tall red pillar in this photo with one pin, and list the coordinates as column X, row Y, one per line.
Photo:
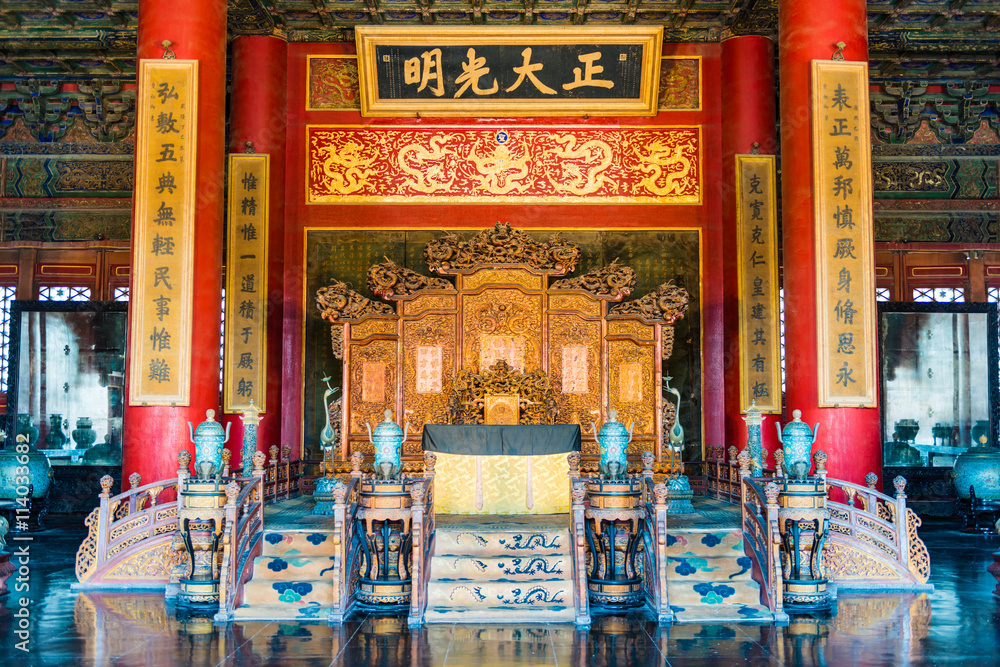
column 257, row 114
column 747, row 76
column 806, row 32
column 154, row 435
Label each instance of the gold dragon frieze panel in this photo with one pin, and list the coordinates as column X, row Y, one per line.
column 584, row 304
column 373, row 383
column 574, row 352
column 526, row 279
column 428, row 369
column 496, row 322
column 631, row 384
column 535, row 164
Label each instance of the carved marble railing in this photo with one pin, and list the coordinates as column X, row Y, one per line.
column 873, row 537
column 241, row 540
column 129, row 538
column 761, row 539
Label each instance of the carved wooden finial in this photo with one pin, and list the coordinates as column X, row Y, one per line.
column 134, row 480
column 900, row 484
column 871, row 479
column 430, row 460
column 357, row 458
column 258, row 463
column 578, row 492
column 232, row 492
column 771, row 491
column 106, row 483
column 573, row 460
column 839, row 53
column 743, row 459
column 648, row 459
column 183, row 460
column 418, row 493
column 273, row 451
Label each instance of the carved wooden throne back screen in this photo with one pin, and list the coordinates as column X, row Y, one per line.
column 501, row 297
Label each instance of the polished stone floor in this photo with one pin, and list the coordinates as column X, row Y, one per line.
column 957, row 624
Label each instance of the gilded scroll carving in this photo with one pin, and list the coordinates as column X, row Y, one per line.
column 536, row 404
column 338, row 302
column 584, row 304
column 367, row 361
column 502, row 314
column 666, row 304
column 614, row 280
column 630, row 371
column 576, row 402
column 425, row 302
column 844, row 562
column 428, row 369
column 371, row 327
column 501, row 245
column 390, row 280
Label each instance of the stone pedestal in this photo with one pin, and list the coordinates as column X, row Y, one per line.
column 804, row 523
column 383, row 521
column 615, row 523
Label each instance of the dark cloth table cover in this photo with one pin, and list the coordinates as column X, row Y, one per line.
column 495, row 440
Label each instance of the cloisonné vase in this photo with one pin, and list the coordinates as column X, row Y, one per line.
column 613, row 440
column 387, row 440
column 797, row 441
column 208, row 441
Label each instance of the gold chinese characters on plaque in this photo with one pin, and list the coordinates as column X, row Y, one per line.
column 509, row 71
column 757, row 231
column 162, row 275
column 845, row 290
column 245, row 369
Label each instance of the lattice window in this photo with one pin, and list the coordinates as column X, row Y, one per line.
column 121, row 294
column 6, row 296
column 939, row 294
column 883, row 294
column 63, row 293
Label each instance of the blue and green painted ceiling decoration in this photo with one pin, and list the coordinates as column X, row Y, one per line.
column 909, row 39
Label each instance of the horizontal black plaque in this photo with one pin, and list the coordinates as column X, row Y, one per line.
column 509, row 72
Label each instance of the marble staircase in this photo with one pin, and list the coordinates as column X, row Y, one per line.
column 501, row 569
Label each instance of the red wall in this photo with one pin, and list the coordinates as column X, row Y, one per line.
column 707, row 216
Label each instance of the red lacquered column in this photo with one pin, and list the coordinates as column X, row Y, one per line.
column 153, row 436
column 257, row 114
column 748, row 79
column 807, row 31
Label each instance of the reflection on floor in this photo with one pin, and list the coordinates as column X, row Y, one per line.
column 956, row 624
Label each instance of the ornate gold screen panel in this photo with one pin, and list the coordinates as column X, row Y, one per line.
column 501, row 301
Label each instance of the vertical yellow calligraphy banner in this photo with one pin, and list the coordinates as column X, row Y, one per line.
column 245, row 367
column 760, row 333
column 162, row 273
column 842, row 181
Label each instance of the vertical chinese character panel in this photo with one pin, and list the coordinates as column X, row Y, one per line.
column 245, row 366
column 164, row 233
column 844, row 254
column 757, row 230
